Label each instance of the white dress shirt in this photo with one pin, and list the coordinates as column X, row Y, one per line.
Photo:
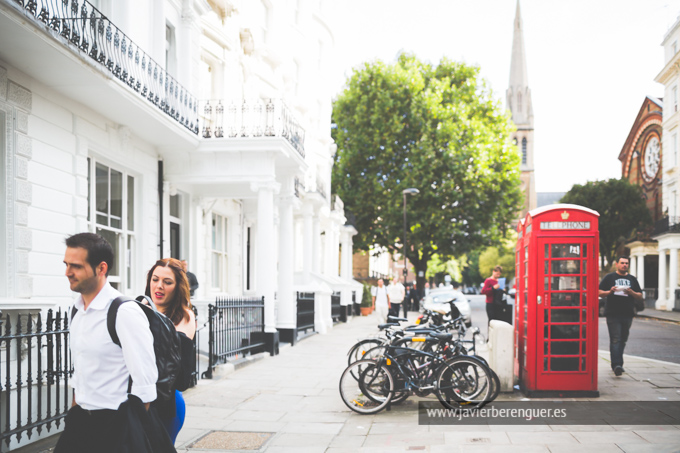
column 101, row 367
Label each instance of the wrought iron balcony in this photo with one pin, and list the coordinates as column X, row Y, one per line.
column 246, row 118
column 667, row 225
column 80, row 26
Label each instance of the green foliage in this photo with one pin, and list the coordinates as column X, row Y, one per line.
column 438, row 266
column 437, row 129
column 366, row 298
column 492, row 257
column 622, row 212
column 470, row 271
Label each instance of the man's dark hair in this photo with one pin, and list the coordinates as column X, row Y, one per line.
column 98, row 249
column 623, row 257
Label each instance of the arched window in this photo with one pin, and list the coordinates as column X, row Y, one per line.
column 524, row 150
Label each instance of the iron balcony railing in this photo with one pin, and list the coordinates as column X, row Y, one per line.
column 79, row 25
column 250, row 118
column 666, row 225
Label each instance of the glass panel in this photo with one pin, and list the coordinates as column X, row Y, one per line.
column 583, row 331
column 583, row 363
column 102, row 192
column 546, row 283
column 545, row 348
column 566, row 267
column 564, row 364
column 546, row 332
column 564, row 315
column 218, row 233
column 564, row 347
column 546, row 251
column 112, row 238
column 564, row 332
column 174, row 205
column 214, row 231
column 129, row 261
column 583, row 347
column 130, row 203
column 102, row 219
column 566, row 250
column 565, row 283
column 546, row 267
column 585, row 250
column 584, row 315
column 585, row 283
column 565, row 299
column 215, row 270
column 545, row 316
column 545, row 364
column 585, row 266
column 526, row 252
column 116, row 199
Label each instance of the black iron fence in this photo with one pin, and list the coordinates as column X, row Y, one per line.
column 79, row 25
column 305, row 313
column 235, row 327
column 336, row 308
column 35, row 367
column 666, row 225
column 251, row 118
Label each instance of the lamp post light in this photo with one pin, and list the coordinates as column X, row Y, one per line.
column 411, row 191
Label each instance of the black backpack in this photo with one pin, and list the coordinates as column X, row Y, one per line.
column 166, row 344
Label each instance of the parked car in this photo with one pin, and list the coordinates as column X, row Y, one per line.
column 438, row 298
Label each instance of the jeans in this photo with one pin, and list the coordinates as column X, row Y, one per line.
column 619, row 327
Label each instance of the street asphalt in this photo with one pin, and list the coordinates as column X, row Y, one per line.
column 291, row 403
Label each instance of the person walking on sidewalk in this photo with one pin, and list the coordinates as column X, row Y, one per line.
column 491, row 284
column 620, row 288
column 397, row 293
column 381, row 301
column 104, row 373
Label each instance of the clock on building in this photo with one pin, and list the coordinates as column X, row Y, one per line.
column 651, row 159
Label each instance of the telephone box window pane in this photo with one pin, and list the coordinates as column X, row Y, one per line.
column 565, row 283
column 546, row 283
column 546, row 270
column 546, row 332
column 566, row 267
column 526, row 252
column 545, row 316
column 585, row 283
column 564, row 347
column 584, row 315
column 583, row 347
column 545, row 364
column 566, row 250
column 564, row 364
column 583, row 363
column 564, row 332
column 585, row 266
column 565, row 299
column 564, row 315
column 546, row 252
column 583, row 331
column 585, row 250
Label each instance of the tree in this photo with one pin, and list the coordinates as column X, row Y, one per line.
column 438, row 129
column 622, row 211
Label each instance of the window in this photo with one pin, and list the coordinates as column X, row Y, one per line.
column 175, row 226
column 524, row 150
column 674, row 97
column 111, row 198
column 218, row 256
column 170, row 51
column 3, row 195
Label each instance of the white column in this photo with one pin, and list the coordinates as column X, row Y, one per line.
column 633, row 264
column 329, row 239
column 641, row 271
column 672, row 278
column 287, row 315
column 316, row 243
column 661, row 296
column 307, row 242
column 346, row 258
column 265, row 265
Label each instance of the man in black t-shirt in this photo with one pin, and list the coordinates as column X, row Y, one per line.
column 621, row 289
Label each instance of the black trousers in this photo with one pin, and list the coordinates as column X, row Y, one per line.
column 394, row 309
column 89, row 431
column 490, row 311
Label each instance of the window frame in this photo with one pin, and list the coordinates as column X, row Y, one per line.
column 219, row 278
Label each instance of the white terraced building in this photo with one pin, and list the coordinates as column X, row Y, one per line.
column 197, row 129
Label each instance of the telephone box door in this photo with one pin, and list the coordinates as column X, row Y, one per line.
column 565, row 331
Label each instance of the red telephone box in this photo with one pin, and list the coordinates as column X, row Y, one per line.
column 556, row 306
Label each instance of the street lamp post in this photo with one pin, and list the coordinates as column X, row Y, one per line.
column 411, row 191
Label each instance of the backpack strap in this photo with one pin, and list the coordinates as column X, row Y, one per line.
column 111, row 317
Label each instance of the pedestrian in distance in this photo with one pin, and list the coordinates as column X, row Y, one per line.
column 412, row 300
column 193, row 281
column 491, row 284
column 397, row 293
column 113, row 385
column 621, row 289
column 168, row 287
column 381, row 301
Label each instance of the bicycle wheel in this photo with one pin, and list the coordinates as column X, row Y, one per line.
column 463, row 382
column 358, row 350
column 371, row 392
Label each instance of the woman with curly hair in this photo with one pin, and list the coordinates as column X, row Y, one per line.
column 168, row 288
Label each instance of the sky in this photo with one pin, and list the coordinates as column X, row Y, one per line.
column 590, row 64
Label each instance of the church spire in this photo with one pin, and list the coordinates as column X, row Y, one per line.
column 518, row 94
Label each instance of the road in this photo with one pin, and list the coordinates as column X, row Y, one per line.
column 649, row 338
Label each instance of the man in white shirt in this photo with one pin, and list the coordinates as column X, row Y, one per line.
column 397, row 292
column 381, row 301
column 102, row 370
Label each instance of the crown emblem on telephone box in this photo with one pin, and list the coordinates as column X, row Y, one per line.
column 565, row 215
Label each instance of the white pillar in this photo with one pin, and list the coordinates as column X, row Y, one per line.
column 265, row 265
column 329, row 239
column 641, row 271
column 633, row 264
column 672, row 278
column 308, row 242
column 661, row 296
column 287, row 313
column 316, row 243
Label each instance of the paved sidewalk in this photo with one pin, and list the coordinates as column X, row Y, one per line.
column 672, row 316
column 292, row 404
